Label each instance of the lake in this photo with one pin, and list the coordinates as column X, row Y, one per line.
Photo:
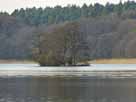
column 83, row 87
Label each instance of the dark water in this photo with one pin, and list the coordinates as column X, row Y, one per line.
column 83, row 89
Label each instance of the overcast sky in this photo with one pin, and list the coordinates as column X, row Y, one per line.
column 10, row 5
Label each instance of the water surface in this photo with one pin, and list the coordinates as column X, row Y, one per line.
column 83, row 89
column 64, row 88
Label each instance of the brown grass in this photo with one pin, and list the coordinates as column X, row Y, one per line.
column 16, row 61
column 114, row 61
column 98, row 61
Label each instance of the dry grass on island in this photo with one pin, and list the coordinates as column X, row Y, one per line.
column 114, row 61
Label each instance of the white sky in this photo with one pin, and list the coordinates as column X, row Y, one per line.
column 10, row 5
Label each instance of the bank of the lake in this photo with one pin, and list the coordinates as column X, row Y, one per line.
column 16, row 61
column 114, row 61
column 97, row 61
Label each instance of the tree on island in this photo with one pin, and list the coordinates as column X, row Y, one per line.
column 62, row 45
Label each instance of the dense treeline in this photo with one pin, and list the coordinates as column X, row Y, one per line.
column 68, row 35
column 48, row 15
column 16, row 38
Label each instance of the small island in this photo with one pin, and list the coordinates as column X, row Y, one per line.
column 62, row 45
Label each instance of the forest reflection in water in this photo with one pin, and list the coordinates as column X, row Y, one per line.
column 64, row 89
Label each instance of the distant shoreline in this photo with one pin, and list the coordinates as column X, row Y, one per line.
column 97, row 61
column 14, row 61
column 114, row 61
